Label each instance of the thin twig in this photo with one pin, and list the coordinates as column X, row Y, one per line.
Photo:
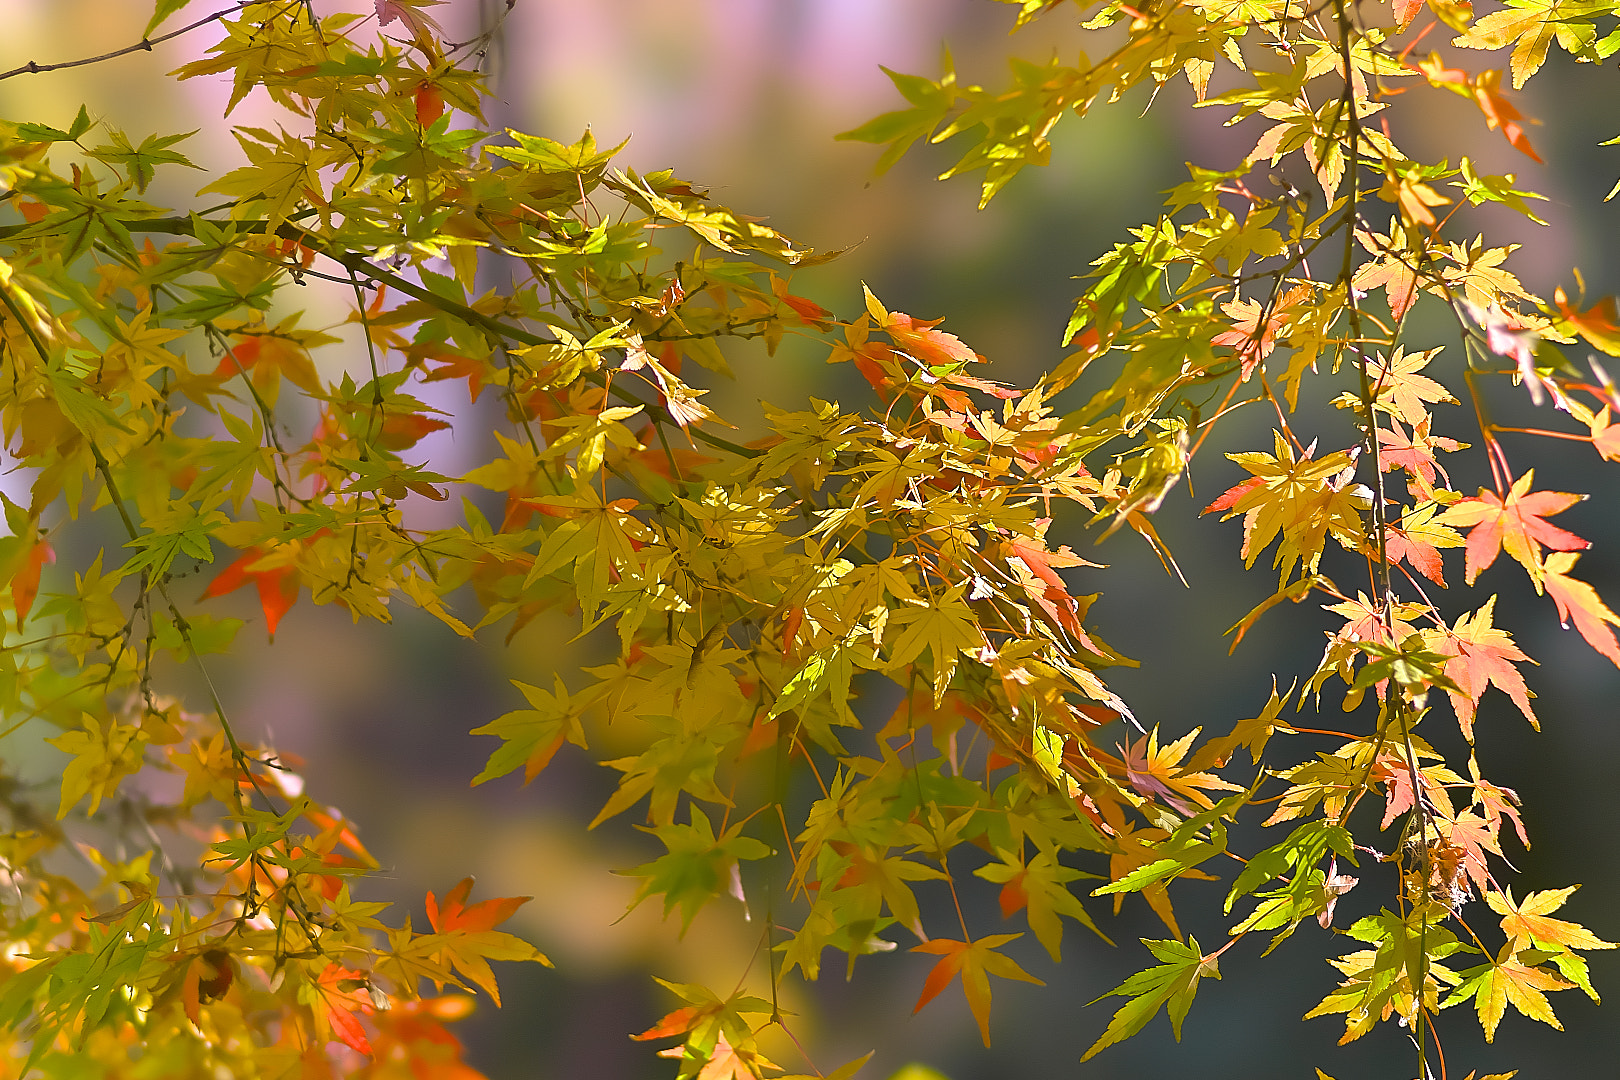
column 143, row 45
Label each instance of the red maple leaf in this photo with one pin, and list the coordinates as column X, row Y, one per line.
column 1513, row 525
column 1229, row 498
column 453, row 365
column 807, row 310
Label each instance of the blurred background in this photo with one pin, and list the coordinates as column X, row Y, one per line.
column 743, row 97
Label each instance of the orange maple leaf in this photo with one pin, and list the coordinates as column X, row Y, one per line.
column 1513, row 525
column 920, row 341
column 975, row 961
column 1423, row 557
column 453, row 365
column 678, row 1022
column 484, row 915
column 467, row 939
column 1606, row 436
column 429, row 103
column 1414, row 452
column 277, row 583
column 1577, row 600
column 1500, row 113
column 808, row 311
column 401, row 431
column 1252, row 342
column 338, row 1006
column 1482, row 655
column 264, row 357
column 1599, row 324
column 1527, row 926
column 25, row 582
column 1471, row 836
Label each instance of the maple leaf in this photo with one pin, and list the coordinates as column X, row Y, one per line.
column 1606, row 435
column 402, row 430
column 1252, row 342
column 1527, row 926
column 975, row 961
column 1514, row 525
column 1399, row 389
column 1500, row 113
column 1507, row 981
column 263, row 358
column 1470, row 837
column 1414, row 452
column 1392, row 270
column 807, row 311
column 272, row 572
column 1482, row 656
column 465, row 938
column 335, row 1006
column 1577, row 600
column 102, row 755
column 1530, row 26
column 533, row 736
column 698, row 865
column 1405, row 11
column 453, row 914
column 1252, row 734
column 1173, row 982
column 1155, row 772
column 1305, row 500
column 25, row 582
column 946, row 627
column 727, row 1062
column 410, row 13
column 1599, row 324
column 1040, row 888
column 1418, row 540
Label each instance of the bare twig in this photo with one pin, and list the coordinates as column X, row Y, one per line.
column 144, row 45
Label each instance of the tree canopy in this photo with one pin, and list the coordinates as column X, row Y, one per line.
column 179, row 905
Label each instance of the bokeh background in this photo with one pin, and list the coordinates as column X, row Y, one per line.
column 744, row 96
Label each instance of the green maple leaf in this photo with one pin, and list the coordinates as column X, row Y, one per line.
column 533, row 736
column 1173, row 982
column 142, row 161
column 698, row 866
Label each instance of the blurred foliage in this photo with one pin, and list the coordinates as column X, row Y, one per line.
column 839, row 658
